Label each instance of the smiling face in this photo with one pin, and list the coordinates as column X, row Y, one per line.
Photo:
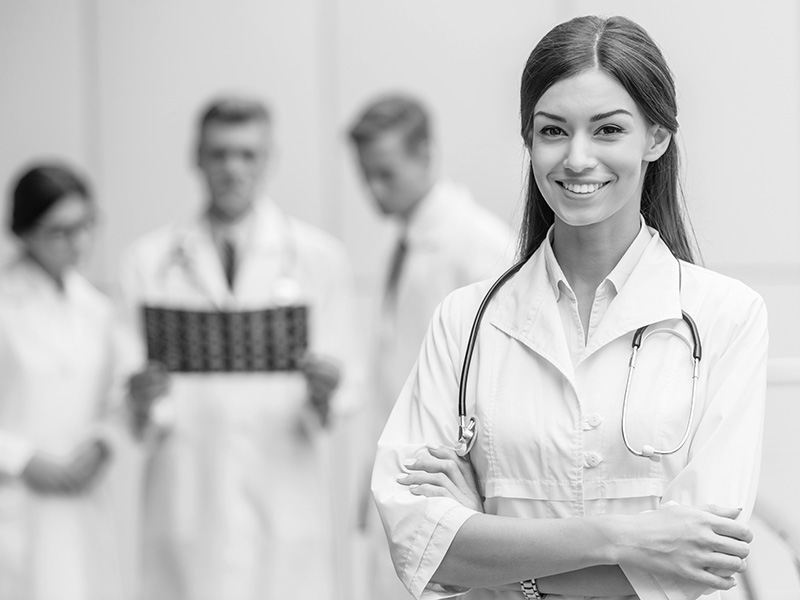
column 590, row 146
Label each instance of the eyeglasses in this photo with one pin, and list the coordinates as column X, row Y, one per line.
column 63, row 233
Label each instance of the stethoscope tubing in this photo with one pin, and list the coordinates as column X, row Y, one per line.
column 467, row 429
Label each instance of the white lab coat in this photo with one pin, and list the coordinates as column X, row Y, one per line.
column 549, row 444
column 58, row 361
column 452, row 241
column 237, row 502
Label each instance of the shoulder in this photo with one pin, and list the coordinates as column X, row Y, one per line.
column 90, row 297
column 718, row 288
column 153, row 242
column 478, row 220
column 457, row 311
column 317, row 245
column 723, row 300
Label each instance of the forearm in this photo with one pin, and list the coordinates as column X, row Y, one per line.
column 490, row 550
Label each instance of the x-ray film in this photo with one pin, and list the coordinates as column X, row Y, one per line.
column 189, row 341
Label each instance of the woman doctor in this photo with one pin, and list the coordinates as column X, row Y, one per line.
column 551, row 499
column 56, row 367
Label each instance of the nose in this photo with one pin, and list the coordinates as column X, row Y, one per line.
column 580, row 156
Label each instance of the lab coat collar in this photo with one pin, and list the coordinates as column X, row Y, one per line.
column 196, row 251
column 435, row 211
column 616, row 278
column 526, row 306
column 23, row 277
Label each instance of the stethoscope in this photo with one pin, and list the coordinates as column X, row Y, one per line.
column 468, row 428
column 286, row 290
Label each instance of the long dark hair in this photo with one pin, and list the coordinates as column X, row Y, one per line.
column 625, row 51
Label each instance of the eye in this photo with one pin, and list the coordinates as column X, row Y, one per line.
column 610, row 130
column 551, row 131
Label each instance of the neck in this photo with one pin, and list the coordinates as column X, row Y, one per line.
column 587, row 254
column 57, row 276
column 218, row 217
column 406, row 216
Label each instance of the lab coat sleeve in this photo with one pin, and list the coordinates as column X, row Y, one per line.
column 15, row 450
column 420, row 530
column 15, row 453
column 725, row 454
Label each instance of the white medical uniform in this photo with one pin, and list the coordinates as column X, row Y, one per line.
column 549, row 442
column 452, row 241
column 237, row 502
column 58, row 351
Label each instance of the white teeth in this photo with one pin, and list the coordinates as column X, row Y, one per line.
column 585, row 188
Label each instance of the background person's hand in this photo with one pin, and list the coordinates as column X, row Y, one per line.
column 323, row 376
column 439, row 471
column 144, row 388
column 47, row 475
column 703, row 544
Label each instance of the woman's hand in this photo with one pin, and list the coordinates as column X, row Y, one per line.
column 47, row 475
column 439, row 471
column 703, row 544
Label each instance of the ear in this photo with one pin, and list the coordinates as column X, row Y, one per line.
column 658, row 140
column 422, row 151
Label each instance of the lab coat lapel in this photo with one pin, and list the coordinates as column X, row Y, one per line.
column 526, row 310
column 266, row 254
column 650, row 295
column 202, row 263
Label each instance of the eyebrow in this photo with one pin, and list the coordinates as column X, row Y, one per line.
column 593, row 118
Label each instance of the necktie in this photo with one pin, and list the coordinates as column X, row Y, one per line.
column 229, row 261
column 395, row 270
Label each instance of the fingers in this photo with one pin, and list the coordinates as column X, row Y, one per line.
column 725, row 563
column 323, row 375
column 148, row 385
column 732, row 529
column 439, row 467
column 712, row 580
column 721, row 511
column 724, row 522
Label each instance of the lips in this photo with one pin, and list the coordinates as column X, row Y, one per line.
column 581, row 188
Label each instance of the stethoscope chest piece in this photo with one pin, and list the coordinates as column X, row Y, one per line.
column 467, row 435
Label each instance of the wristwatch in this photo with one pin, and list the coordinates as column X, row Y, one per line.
column 530, row 590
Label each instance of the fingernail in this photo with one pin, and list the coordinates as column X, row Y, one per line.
column 402, row 476
column 433, row 446
column 413, row 489
column 410, row 462
column 734, row 583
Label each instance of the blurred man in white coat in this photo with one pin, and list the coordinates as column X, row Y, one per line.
column 446, row 240
column 237, row 502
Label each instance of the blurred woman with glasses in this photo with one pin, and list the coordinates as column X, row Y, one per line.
column 57, row 371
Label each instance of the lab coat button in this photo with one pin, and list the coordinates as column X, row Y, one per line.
column 591, row 459
column 591, row 421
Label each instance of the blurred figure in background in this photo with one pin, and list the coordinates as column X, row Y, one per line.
column 58, row 360
column 447, row 240
column 237, row 503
